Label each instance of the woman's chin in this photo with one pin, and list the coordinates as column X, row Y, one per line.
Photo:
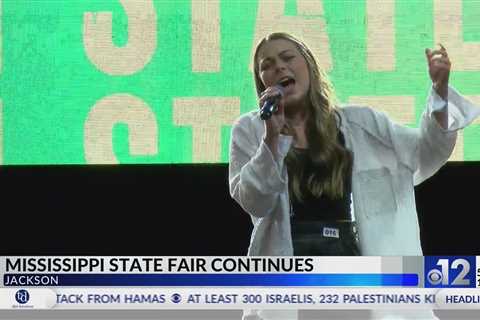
column 294, row 102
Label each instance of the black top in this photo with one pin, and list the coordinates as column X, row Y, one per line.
column 322, row 208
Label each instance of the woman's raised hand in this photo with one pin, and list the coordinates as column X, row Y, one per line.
column 439, row 66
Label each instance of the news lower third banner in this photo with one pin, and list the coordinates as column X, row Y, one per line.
column 132, row 282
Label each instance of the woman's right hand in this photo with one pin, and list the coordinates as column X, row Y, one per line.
column 274, row 125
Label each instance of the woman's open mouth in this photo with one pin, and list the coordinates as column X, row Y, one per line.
column 287, row 83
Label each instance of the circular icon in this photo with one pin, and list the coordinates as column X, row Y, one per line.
column 176, row 298
column 22, row 296
column 434, row 276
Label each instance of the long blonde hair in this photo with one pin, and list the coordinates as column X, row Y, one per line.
column 332, row 161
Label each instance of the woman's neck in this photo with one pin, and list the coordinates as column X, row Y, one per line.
column 296, row 122
column 296, row 118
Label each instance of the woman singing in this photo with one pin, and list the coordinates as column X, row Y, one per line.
column 317, row 179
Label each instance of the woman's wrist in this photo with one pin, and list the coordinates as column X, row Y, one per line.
column 441, row 89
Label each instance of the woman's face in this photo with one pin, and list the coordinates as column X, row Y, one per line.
column 280, row 63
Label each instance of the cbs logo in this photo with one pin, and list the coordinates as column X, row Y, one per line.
column 441, row 276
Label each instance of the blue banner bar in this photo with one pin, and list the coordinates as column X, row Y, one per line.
column 212, row 280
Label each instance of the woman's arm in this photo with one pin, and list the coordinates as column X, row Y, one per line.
column 435, row 142
column 426, row 149
column 438, row 130
column 446, row 112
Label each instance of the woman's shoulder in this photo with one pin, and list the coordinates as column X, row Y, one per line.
column 369, row 120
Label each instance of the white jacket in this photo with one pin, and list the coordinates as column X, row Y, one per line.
column 389, row 160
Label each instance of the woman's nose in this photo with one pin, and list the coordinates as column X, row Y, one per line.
column 281, row 65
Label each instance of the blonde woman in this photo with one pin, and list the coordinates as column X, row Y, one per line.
column 321, row 180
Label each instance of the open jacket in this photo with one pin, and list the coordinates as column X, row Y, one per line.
column 389, row 160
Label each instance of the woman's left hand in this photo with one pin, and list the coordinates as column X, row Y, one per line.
column 439, row 69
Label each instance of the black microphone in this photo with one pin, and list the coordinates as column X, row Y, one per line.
column 270, row 106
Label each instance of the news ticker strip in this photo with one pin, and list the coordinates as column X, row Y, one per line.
column 428, row 272
column 238, row 298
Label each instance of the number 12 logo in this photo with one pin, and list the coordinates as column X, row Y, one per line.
column 450, row 272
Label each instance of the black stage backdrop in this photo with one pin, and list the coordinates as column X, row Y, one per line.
column 185, row 210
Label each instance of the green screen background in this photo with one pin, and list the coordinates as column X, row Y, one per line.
column 48, row 85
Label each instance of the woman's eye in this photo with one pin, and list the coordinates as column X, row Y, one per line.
column 264, row 66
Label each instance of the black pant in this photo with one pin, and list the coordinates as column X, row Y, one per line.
column 324, row 238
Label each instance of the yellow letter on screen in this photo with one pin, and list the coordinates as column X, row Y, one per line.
column 309, row 25
column 119, row 108
column 206, row 35
column 458, row 153
column 206, row 116
column 380, row 35
column 449, row 32
column 400, row 109
column 142, row 38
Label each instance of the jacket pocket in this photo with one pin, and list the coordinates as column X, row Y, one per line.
column 377, row 192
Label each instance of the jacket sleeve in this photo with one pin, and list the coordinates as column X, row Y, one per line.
column 435, row 144
column 427, row 148
column 256, row 178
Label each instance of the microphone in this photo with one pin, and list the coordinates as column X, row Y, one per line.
column 270, row 106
